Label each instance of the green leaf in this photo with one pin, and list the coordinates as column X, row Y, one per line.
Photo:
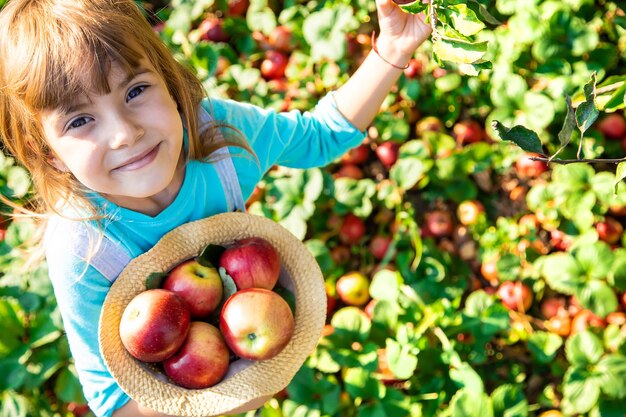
column 360, row 383
column 408, row 171
column 464, row 19
column 354, row 196
column 155, row 280
column 465, row 376
column 18, row 181
column 525, row 138
column 228, row 284
column 414, row 7
column 509, row 401
column 262, row 20
column 587, row 112
column 14, row 404
column 598, row 297
column 584, row 349
column 459, row 52
column 612, row 371
column 562, row 273
column 581, row 390
column 402, row 359
column 617, row 275
column 211, row 255
column 596, row 260
column 465, row 403
column 569, row 123
column 352, row 320
column 544, row 345
column 385, row 285
column 67, row 387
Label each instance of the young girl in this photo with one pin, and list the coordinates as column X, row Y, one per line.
column 123, row 146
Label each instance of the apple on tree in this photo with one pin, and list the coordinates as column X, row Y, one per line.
column 256, row 323
column 252, row 262
column 199, row 285
column 202, row 360
column 154, row 325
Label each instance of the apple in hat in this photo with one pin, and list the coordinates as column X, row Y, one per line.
column 252, row 262
column 199, row 285
column 256, row 323
column 202, row 360
column 154, row 325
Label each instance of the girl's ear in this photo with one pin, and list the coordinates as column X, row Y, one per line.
column 57, row 163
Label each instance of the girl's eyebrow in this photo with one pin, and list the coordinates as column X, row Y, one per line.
column 79, row 105
column 132, row 75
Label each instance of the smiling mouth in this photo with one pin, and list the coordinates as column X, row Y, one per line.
column 140, row 161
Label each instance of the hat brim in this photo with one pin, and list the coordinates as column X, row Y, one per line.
column 246, row 381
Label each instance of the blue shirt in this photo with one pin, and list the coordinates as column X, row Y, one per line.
column 294, row 139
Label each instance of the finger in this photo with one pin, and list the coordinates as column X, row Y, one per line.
column 385, row 7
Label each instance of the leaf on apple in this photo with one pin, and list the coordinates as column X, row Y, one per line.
column 211, row 255
column 287, row 295
column 155, row 280
column 229, row 284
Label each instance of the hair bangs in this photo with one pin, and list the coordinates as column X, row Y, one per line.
column 58, row 66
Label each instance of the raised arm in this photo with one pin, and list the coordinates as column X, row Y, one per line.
column 360, row 98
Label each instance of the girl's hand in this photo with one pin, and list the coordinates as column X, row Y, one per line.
column 400, row 32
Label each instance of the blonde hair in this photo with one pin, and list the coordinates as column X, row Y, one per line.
column 52, row 51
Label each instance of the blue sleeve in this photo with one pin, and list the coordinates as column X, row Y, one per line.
column 293, row 139
column 80, row 294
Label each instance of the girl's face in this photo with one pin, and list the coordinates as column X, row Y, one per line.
column 125, row 145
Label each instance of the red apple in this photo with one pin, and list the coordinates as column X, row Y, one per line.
column 489, row 270
column 202, row 360
column 429, row 124
column 252, row 262
column 584, row 319
column 280, row 38
column 379, row 246
column 358, row 155
column 515, row 296
column 613, row 126
column 552, row 306
column 438, row 223
column 274, row 65
column 352, row 229
column 468, row 131
column 256, row 323
column 529, row 168
column 200, row 286
column 212, row 29
column 353, row 289
column 349, row 171
column 387, row 152
column 469, row 211
column 154, row 325
column 609, row 230
column 414, row 69
column 238, row 7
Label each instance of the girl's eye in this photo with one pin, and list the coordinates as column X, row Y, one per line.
column 135, row 91
column 78, row 122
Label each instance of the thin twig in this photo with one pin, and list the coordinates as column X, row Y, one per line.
column 572, row 161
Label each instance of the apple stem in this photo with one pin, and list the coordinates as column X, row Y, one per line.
column 251, row 336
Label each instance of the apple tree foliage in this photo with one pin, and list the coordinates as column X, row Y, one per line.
column 440, row 338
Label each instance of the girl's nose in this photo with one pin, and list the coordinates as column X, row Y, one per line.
column 125, row 131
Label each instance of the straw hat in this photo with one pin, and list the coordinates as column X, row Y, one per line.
column 246, row 381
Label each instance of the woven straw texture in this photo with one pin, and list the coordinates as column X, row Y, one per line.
column 251, row 380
